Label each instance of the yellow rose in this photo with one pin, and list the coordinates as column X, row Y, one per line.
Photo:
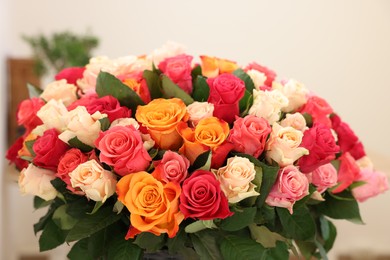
column 212, row 66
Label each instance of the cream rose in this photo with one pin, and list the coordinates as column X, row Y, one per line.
column 97, row 184
column 283, row 145
column 235, row 179
column 83, row 125
column 60, row 89
column 199, row 111
column 125, row 122
column 36, row 181
column 54, row 115
column 257, row 77
column 296, row 121
column 170, row 49
column 296, row 93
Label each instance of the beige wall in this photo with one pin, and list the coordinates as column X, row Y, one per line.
column 339, row 49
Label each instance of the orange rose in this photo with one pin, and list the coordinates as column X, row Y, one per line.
column 160, row 117
column 24, row 151
column 212, row 66
column 153, row 206
column 210, row 133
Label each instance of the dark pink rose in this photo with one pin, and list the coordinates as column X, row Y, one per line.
column 71, row 74
column 12, row 154
column 218, row 157
column 48, row 150
column 319, row 109
column 27, row 113
column 122, row 148
column 375, row 183
column 172, row 168
column 249, row 135
column 322, row 148
column 348, row 172
column 324, row 177
column 271, row 75
column 226, row 90
column 178, row 69
column 202, row 197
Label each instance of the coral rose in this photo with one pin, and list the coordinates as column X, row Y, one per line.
column 324, row 177
column 319, row 109
column 348, row 172
column 172, row 168
column 27, row 113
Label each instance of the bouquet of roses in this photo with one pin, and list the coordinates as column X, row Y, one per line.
column 207, row 159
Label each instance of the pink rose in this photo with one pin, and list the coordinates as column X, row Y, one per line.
column 375, row 183
column 249, row 135
column 291, row 185
column 172, row 168
column 348, row 172
column 27, row 113
column 324, row 177
column 122, row 147
column 178, row 69
column 226, row 90
column 271, row 75
column 71, row 75
column 322, row 148
column 319, row 109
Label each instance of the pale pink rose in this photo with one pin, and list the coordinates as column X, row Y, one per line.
column 54, row 115
column 365, row 163
column 236, row 179
column 283, row 145
column 92, row 70
column 97, row 183
column 60, row 90
column 83, row 125
column 36, row 181
column 258, row 78
column 375, row 183
column 172, row 168
column 199, row 111
column 170, row 49
column 125, row 122
column 291, row 185
column 296, row 93
column 296, row 121
column 324, row 177
column 148, row 141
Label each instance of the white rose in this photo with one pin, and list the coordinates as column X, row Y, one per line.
column 296, row 121
column 36, row 181
column 199, row 111
column 170, row 49
column 53, row 115
column 235, row 179
column 83, row 125
column 97, row 183
column 268, row 104
column 296, row 93
column 257, row 77
column 60, row 90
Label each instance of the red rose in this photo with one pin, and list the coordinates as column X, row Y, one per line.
column 348, row 172
column 12, row 154
column 106, row 105
column 27, row 113
column 178, row 69
column 202, row 197
column 48, row 150
column 271, row 75
column 319, row 109
column 347, row 139
column 226, row 90
column 71, row 74
column 321, row 145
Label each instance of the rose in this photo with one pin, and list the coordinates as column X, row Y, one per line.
column 295, row 92
column 82, row 125
column 249, row 135
column 27, row 113
column 172, row 168
column 235, row 179
column 160, row 117
column 226, row 90
column 36, row 181
column 257, row 77
column 202, row 197
column 97, row 183
column 270, row 75
column 122, row 148
column 25, row 151
column 295, row 120
column 198, row 111
column 178, row 69
column 268, row 105
column 348, row 172
column 322, row 148
column 60, row 90
column 53, row 115
column 71, row 74
column 136, row 82
column 153, row 206
column 283, row 145
column 291, row 185
column 212, row 66
column 48, row 150
column 319, row 110
column 170, row 49
column 12, row 154
column 375, row 183
column 324, row 177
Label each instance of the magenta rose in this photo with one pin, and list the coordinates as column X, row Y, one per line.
column 122, row 147
column 375, row 183
column 271, row 75
column 27, row 113
column 226, row 90
column 321, row 145
column 348, row 172
column 178, row 69
column 347, row 139
column 202, row 197
column 249, row 135
column 324, row 177
column 319, row 109
column 172, row 168
column 71, row 75
column 291, row 185
column 105, row 105
column 12, row 154
column 48, row 150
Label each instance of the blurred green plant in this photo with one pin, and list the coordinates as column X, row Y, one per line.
column 60, row 50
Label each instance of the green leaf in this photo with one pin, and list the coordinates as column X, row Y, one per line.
column 357, row 184
column 196, row 71
column 118, row 207
column 176, row 243
column 97, row 244
column 171, row 90
column 201, row 89
column 202, row 162
column 270, row 173
column 104, row 123
column 154, row 83
column 308, row 119
column 41, row 203
column 79, row 208
column 92, row 223
column 33, row 91
column 29, row 145
column 52, row 236
column 107, row 84
column 240, row 219
column 199, row 225
column 307, row 248
column 206, row 243
column 321, row 250
column 121, row 249
column 97, row 206
column 238, row 248
column 245, row 103
column 249, row 85
column 150, row 242
column 300, row 225
column 344, row 195
column 328, row 232
column 62, row 219
column 59, row 185
column 188, row 253
column 264, row 236
column 43, row 220
column 80, row 251
column 76, row 143
column 280, row 251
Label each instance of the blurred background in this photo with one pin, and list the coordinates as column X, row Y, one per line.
column 338, row 49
